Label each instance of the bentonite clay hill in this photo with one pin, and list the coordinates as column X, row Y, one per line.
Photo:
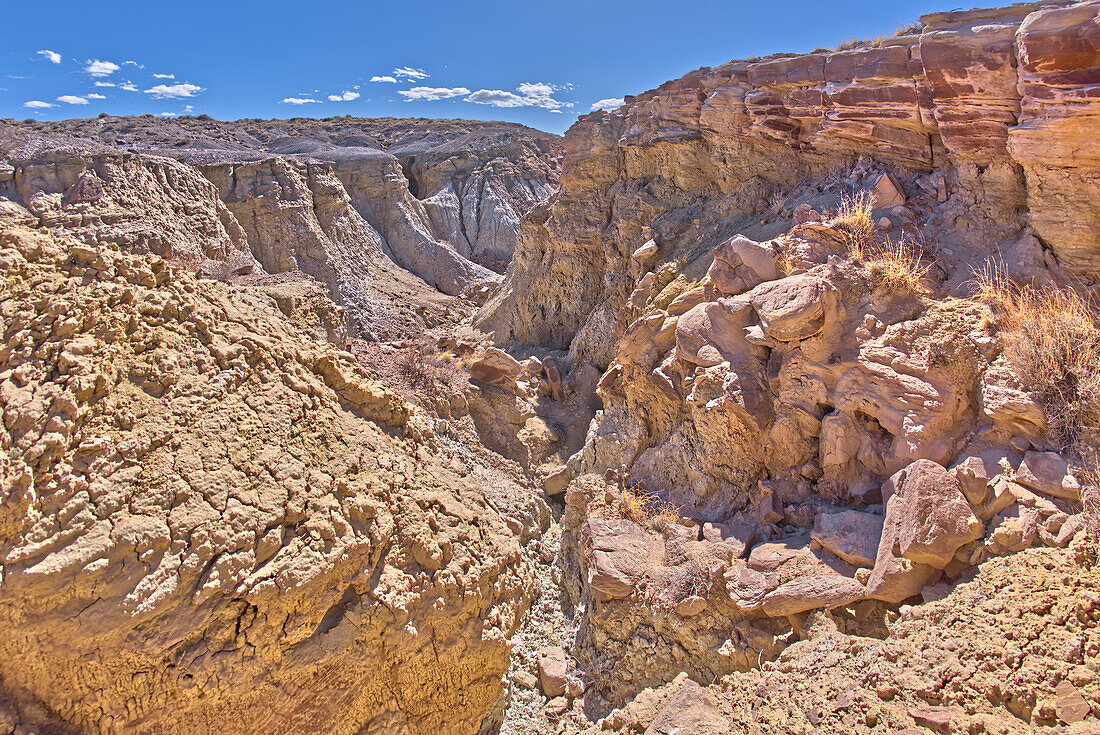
column 783, row 418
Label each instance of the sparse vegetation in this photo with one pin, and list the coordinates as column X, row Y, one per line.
column 645, row 508
column 424, row 370
column 898, row 265
column 854, row 221
column 1052, row 342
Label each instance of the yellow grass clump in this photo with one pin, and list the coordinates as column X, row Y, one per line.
column 1052, row 342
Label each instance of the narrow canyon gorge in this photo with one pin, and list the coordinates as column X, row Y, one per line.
column 767, row 402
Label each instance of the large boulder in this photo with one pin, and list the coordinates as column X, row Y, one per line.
column 714, row 332
column 792, row 308
column 811, row 592
column 1048, row 473
column 495, row 367
column 740, row 264
column 927, row 514
column 853, row 535
column 618, row 556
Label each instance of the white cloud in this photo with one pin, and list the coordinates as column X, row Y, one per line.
column 346, row 96
column 50, row 55
column 298, row 100
column 94, row 96
column 105, row 84
column 38, row 104
column 97, row 68
column 530, row 94
column 389, row 79
column 407, row 72
column 608, row 104
column 174, row 91
column 72, row 99
column 556, row 112
column 431, row 94
column 166, row 114
column 164, row 76
column 188, row 108
column 133, row 63
column 128, row 86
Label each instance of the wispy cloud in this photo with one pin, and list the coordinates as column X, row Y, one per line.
column 299, row 100
column 164, row 76
column 407, row 72
column 345, row 96
column 128, row 86
column 133, row 63
column 166, row 114
column 38, row 104
column 105, row 84
column 387, row 78
column 51, row 56
column 94, row 96
column 97, row 68
column 72, row 99
column 528, row 94
column 174, row 91
column 431, row 94
column 608, row 104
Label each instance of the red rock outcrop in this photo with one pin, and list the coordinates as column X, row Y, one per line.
column 1001, row 102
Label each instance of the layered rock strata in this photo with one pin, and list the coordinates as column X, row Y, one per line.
column 999, row 103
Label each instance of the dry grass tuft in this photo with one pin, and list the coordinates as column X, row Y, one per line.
column 1052, row 342
column 899, row 266
column 645, row 508
column 854, row 222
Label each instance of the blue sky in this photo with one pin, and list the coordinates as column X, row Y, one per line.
column 540, row 64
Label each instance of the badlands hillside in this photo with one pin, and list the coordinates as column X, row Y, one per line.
column 768, row 402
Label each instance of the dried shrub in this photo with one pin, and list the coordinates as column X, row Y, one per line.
column 637, row 504
column 855, row 224
column 1052, row 342
column 426, row 371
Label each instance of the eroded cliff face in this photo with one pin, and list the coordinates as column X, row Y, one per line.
column 1000, row 102
column 329, row 199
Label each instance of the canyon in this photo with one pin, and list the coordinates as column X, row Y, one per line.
column 768, row 402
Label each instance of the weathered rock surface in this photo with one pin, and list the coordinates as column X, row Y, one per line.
column 210, row 516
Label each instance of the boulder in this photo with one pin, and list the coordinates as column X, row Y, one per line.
column 495, row 367
column 1048, row 473
column 618, row 556
column 691, row 606
column 895, row 579
column 976, row 472
column 927, row 514
column 1069, row 705
column 689, row 712
column 887, row 192
column 737, row 537
column 853, row 535
column 792, row 308
column 747, row 587
column 714, row 332
column 552, row 671
column 740, row 264
column 812, row 592
column 768, row 557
